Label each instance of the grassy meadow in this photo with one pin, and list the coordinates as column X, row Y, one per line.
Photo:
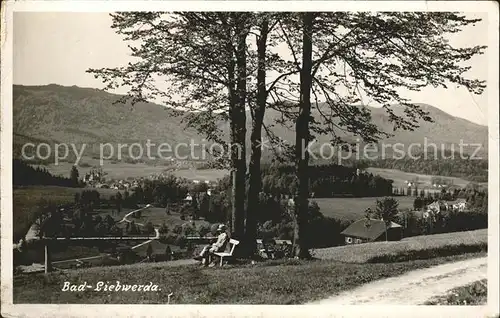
column 124, row 170
column 157, row 216
column 119, row 170
column 425, row 246
column 354, row 208
column 201, row 174
column 271, row 282
column 399, row 177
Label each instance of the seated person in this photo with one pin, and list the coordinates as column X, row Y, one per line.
column 218, row 246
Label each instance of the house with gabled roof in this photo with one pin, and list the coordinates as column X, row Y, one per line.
column 371, row 230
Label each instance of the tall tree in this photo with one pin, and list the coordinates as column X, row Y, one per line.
column 74, row 176
column 194, row 62
column 374, row 55
column 386, row 210
column 302, row 137
column 118, row 202
column 238, row 126
column 265, row 23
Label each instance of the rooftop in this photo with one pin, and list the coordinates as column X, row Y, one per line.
column 368, row 229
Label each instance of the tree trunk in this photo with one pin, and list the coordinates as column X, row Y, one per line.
column 255, row 182
column 386, row 233
column 238, row 132
column 302, row 138
column 233, row 130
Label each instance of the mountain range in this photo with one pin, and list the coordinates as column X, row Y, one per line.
column 55, row 113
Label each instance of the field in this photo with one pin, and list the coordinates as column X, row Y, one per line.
column 399, row 177
column 155, row 215
column 390, row 251
column 354, row 208
column 119, row 170
column 271, row 282
column 123, row 170
column 203, row 174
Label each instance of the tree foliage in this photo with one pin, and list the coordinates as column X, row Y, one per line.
column 386, row 210
column 201, row 62
column 25, row 174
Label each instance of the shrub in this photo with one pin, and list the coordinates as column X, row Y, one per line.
column 149, row 228
column 177, row 229
column 472, row 295
column 180, row 241
column 168, row 239
column 163, row 229
column 204, row 230
column 213, row 229
column 115, row 231
column 188, row 229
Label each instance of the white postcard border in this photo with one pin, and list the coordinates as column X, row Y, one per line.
column 9, row 309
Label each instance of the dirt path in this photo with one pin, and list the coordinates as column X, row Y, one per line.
column 415, row 287
column 125, row 219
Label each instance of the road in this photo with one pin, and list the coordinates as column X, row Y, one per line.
column 415, row 287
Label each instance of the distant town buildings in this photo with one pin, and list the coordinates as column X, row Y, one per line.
column 440, row 206
column 94, row 176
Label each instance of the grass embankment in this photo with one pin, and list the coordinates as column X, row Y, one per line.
column 417, row 247
column 475, row 294
column 271, row 282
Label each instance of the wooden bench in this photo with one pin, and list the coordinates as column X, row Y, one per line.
column 272, row 250
column 232, row 242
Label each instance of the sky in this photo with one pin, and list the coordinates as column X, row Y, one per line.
column 57, row 48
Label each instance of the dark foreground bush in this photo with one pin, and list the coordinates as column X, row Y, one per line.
column 447, row 250
column 470, row 295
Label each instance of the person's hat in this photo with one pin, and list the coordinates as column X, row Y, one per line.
column 221, row 227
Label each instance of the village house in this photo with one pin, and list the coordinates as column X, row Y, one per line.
column 434, row 207
column 438, row 206
column 188, row 198
column 458, row 205
column 371, row 230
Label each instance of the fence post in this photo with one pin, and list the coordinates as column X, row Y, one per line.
column 48, row 261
